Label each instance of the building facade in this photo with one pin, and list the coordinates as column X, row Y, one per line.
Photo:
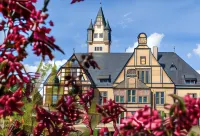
column 143, row 77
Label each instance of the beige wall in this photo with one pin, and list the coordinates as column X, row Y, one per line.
column 105, row 48
column 98, row 42
column 183, row 92
column 140, row 53
column 167, row 99
column 110, row 94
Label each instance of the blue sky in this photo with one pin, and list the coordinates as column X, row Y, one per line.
column 177, row 22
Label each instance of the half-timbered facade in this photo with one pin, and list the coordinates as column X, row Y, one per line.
column 143, row 77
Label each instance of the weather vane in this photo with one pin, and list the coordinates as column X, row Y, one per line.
column 174, row 48
column 101, row 3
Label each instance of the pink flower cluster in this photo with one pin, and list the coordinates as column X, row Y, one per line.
column 183, row 114
column 142, row 121
column 10, row 103
column 53, row 121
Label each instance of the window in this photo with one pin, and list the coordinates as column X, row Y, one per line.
column 119, row 99
column 104, row 80
column 190, row 82
column 131, row 96
column 143, row 60
column 142, row 99
column 101, row 35
column 95, row 35
column 193, row 95
column 55, row 95
column 147, row 76
column 160, row 98
column 144, row 76
column 98, row 48
column 173, row 67
column 104, row 97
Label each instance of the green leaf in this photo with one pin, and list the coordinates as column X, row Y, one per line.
column 3, row 64
column 180, row 100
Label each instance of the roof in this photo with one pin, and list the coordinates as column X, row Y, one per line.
column 107, row 26
column 107, row 68
column 100, row 14
column 182, row 71
column 90, row 26
column 109, row 64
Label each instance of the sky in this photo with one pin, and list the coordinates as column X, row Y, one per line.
column 167, row 23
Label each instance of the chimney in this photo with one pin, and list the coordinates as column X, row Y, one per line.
column 155, row 52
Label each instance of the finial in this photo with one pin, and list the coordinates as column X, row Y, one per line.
column 74, row 50
column 100, row 3
column 174, row 49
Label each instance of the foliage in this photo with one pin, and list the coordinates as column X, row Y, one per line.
column 25, row 26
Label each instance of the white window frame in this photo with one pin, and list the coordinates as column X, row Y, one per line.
column 119, row 98
column 142, row 99
column 131, row 95
column 159, row 98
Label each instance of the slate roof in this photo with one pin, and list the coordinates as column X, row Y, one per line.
column 100, row 14
column 107, row 26
column 184, row 70
column 90, row 26
column 111, row 65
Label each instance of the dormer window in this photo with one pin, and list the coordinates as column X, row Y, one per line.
column 104, row 78
column 190, row 82
column 173, row 67
column 190, row 79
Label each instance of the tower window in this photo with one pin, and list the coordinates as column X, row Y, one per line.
column 98, row 48
column 101, row 35
column 95, row 35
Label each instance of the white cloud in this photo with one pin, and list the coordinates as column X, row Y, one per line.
column 126, row 20
column 30, row 68
column 127, row 14
column 33, row 68
column 197, row 50
column 153, row 40
column 198, row 71
column 189, row 55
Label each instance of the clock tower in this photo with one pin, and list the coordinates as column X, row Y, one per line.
column 99, row 35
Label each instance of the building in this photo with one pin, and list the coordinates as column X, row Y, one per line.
column 132, row 79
